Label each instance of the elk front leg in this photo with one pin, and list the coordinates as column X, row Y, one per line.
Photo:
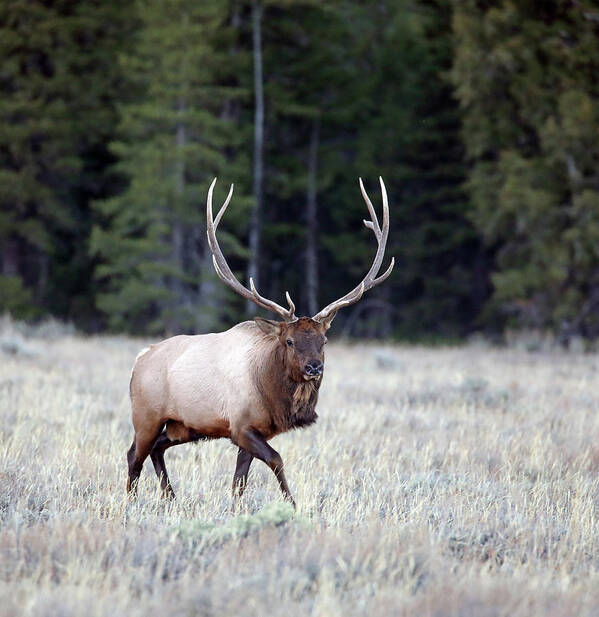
column 240, row 478
column 253, row 442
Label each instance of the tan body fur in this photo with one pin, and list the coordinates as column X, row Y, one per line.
column 209, row 384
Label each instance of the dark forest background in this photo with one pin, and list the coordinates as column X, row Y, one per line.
column 481, row 116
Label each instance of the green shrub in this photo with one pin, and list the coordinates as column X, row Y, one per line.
column 272, row 515
column 15, row 298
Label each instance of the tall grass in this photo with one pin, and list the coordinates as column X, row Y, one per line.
column 456, row 481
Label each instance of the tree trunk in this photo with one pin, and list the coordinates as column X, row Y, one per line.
column 178, row 231
column 10, row 257
column 212, row 293
column 312, row 221
column 256, row 219
column 231, row 106
column 43, row 275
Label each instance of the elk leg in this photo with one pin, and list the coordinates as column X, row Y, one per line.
column 133, row 475
column 253, row 442
column 163, row 443
column 138, row 452
column 240, row 478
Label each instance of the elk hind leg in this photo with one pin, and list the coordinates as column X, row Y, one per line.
column 157, row 456
column 137, row 454
column 174, row 434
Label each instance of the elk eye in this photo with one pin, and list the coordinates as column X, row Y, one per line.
column 289, row 342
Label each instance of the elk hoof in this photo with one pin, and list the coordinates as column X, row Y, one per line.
column 168, row 494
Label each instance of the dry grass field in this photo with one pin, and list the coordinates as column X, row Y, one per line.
column 450, row 481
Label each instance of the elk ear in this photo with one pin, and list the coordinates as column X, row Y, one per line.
column 268, row 326
column 326, row 322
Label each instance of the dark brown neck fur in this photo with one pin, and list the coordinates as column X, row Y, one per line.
column 291, row 404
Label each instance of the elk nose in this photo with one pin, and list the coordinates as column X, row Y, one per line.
column 314, row 368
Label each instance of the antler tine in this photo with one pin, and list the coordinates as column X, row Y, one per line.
column 288, row 314
column 371, row 279
column 290, row 302
column 385, row 206
column 224, row 272
column 219, row 216
column 374, row 222
column 349, row 298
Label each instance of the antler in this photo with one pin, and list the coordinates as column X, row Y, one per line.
column 224, row 272
column 370, row 280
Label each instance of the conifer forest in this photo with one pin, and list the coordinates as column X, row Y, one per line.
column 481, row 116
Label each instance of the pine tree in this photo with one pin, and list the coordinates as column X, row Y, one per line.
column 58, row 79
column 175, row 133
column 526, row 77
column 405, row 127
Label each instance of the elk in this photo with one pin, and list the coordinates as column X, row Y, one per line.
column 254, row 381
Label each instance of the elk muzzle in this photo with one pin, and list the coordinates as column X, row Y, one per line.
column 313, row 370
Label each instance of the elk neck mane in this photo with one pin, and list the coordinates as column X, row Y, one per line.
column 291, row 404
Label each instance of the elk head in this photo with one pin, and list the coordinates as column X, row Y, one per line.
column 303, row 338
column 301, row 346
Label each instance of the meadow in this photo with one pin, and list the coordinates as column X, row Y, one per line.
column 438, row 481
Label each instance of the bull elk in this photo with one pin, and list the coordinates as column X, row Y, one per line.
column 250, row 383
